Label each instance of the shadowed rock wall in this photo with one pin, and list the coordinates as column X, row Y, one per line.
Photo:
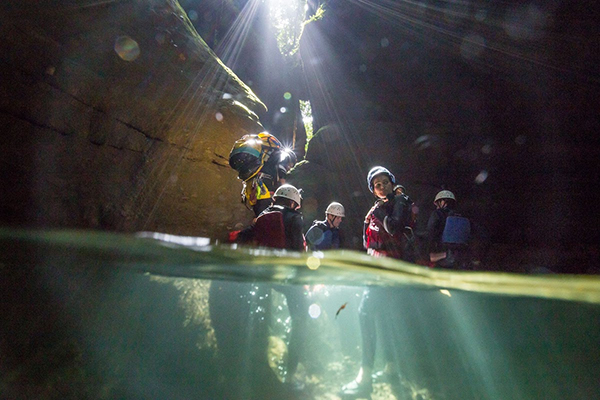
column 117, row 116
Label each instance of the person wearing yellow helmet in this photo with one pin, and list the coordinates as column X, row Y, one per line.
column 262, row 163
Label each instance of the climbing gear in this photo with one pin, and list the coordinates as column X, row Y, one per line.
column 254, row 189
column 444, row 195
column 378, row 171
column 289, row 192
column 336, row 209
column 251, row 152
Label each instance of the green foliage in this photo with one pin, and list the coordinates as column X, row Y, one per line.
column 319, row 14
column 289, row 19
column 306, row 111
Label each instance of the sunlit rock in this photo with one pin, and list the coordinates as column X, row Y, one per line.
column 108, row 101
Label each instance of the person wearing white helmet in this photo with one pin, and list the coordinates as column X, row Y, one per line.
column 325, row 235
column 448, row 234
column 280, row 226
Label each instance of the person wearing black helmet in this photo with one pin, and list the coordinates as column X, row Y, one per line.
column 386, row 229
column 388, row 225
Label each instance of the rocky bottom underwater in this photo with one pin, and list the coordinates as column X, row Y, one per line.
column 102, row 316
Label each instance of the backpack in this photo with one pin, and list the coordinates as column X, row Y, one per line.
column 457, row 230
column 269, row 230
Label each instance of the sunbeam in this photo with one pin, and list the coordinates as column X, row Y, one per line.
column 230, row 48
column 449, row 24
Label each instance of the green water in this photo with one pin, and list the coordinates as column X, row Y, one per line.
column 105, row 316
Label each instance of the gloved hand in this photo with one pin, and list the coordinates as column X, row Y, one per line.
column 380, row 213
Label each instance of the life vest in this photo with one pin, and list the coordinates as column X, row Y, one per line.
column 321, row 236
column 457, row 230
column 255, row 189
column 269, row 230
column 378, row 241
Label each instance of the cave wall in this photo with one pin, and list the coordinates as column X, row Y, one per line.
column 117, row 116
column 492, row 101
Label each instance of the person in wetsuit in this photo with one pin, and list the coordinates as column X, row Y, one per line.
column 385, row 232
column 325, row 235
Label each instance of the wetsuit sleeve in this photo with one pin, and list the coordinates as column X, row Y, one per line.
column 394, row 221
column 246, row 235
column 434, row 231
column 297, row 241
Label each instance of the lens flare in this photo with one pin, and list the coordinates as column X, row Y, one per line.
column 314, row 311
column 127, row 48
column 313, row 263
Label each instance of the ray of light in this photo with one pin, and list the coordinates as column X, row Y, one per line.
column 445, row 23
column 192, row 109
column 230, row 48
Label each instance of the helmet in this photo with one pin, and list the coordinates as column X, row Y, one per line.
column 400, row 187
column 270, row 145
column 288, row 160
column 245, row 156
column 444, row 194
column 289, row 192
column 250, row 153
column 336, row 209
column 377, row 171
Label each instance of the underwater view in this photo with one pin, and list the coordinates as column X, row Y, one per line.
column 90, row 315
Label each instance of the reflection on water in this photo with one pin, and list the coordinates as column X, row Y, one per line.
column 104, row 316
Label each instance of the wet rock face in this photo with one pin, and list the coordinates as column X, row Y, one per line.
column 117, row 116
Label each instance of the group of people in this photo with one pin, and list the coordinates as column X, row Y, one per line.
column 262, row 164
